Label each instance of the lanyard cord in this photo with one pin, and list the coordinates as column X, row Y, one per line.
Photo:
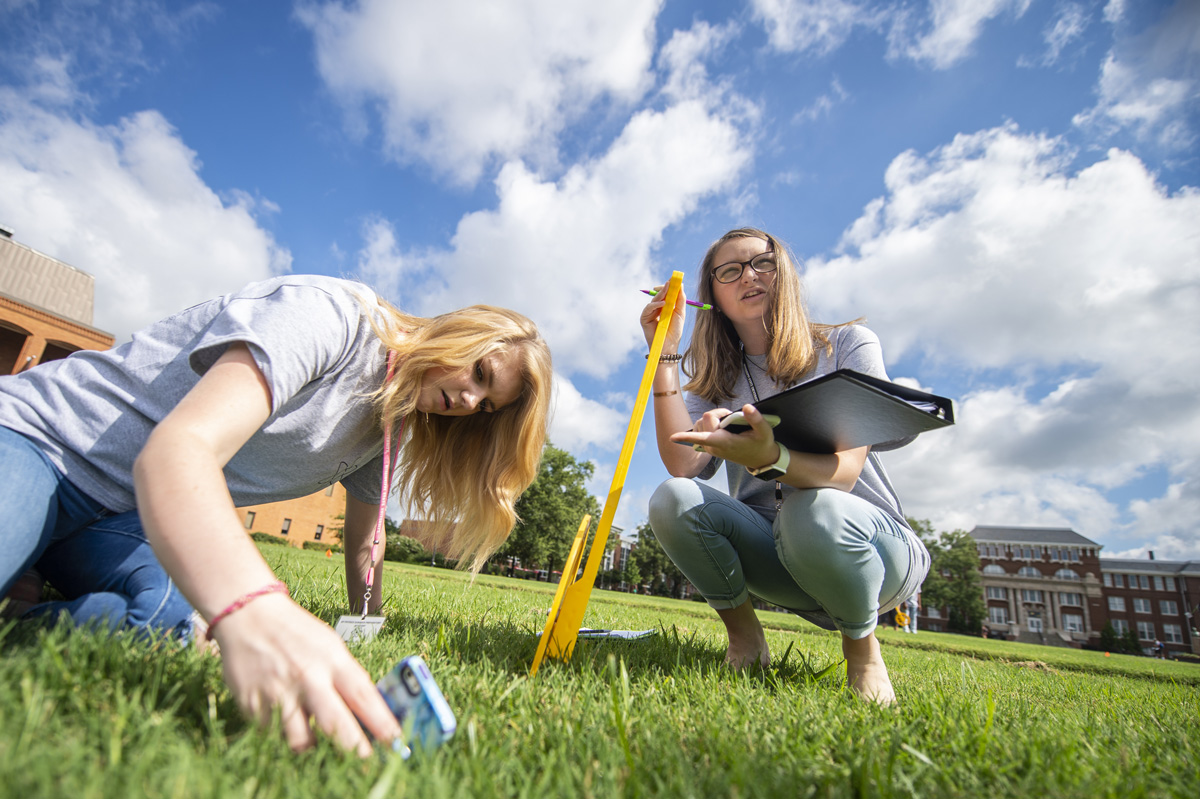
column 754, row 393
column 389, row 468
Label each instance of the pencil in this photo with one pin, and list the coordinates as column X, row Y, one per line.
column 704, row 306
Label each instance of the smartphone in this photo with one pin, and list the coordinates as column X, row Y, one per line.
column 736, row 422
column 417, row 703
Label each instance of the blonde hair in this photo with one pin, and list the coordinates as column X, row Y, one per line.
column 714, row 356
column 464, row 474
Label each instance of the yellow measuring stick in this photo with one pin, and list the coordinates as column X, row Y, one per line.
column 570, row 601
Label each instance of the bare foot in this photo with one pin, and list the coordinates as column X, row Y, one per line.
column 866, row 673
column 747, row 642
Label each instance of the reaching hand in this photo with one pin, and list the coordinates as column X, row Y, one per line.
column 278, row 655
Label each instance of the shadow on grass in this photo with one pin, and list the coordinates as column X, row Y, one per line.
column 510, row 648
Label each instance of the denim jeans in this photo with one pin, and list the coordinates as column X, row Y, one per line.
column 830, row 557
column 99, row 560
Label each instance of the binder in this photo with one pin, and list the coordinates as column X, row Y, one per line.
column 847, row 409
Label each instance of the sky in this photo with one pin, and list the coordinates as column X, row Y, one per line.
column 1007, row 190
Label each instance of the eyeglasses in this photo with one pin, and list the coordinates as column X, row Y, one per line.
column 763, row 263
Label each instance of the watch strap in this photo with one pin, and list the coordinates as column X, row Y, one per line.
column 775, row 470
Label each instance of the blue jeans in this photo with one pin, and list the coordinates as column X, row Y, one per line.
column 99, row 560
column 830, row 557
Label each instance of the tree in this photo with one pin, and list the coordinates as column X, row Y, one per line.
column 550, row 510
column 953, row 582
column 1109, row 640
column 652, row 565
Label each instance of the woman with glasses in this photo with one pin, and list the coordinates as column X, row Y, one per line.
column 821, row 535
column 116, row 462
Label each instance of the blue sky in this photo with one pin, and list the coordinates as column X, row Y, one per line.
column 1005, row 189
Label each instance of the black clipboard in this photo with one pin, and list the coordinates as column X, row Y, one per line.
column 847, row 409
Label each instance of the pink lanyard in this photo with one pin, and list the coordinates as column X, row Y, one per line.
column 389, row 463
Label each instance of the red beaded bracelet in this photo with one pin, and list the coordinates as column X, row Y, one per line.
column 277, row 587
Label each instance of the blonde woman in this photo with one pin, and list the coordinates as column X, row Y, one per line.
column 274, row 392
column 822, row 535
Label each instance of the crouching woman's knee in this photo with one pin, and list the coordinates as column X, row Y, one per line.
column 671, row 508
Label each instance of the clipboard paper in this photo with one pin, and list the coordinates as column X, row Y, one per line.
column 847, row 409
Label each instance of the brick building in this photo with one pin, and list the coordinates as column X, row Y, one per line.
column 1049, row 585
column 45, row 308
column 1041, row 584
column 311, row 518
column 1157, row 599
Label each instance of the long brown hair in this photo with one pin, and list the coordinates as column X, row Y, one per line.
column 464, row 474
column 713, row 358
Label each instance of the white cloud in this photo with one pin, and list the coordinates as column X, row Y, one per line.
column 460, row 83
column 989, row 254
column 1069, row 24
column 816, row 26
column 72, row 51
column 579, row 422
column 126, row 203
column 953, row 27
column 1150, row 81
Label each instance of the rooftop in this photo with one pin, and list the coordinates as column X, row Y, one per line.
column 1147, row 566
column 1031, row 535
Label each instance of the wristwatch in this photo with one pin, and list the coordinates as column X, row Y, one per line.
column 775, row 470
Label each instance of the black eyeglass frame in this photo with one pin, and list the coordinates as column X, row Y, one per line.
column 743, row 264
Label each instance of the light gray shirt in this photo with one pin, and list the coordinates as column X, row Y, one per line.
column 311, row 337
column 854, row 347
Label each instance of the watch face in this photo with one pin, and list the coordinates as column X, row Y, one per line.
column 770, row 474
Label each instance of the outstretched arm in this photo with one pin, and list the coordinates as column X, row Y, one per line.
column 275, row 654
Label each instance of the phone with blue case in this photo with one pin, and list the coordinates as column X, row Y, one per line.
column 417, row 703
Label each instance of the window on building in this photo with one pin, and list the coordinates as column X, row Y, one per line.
column 1158, row 583
column 1070, row 599
column 1072, row 622
column 1118, row 581
column 998, row 615
column 1120, row 625
column 992, row 568
column 1172, row 634
column 320, row 531
column 1167, row 607
column 1029, row 595
column 1141, row 605
column 1029, row 571
column 1170, row 581
column 932, row 613
column 287, row 525
column 1034, row 623
column 1145, row 630
column 1108, row 581
column 1116, row 603
column 249, row 519
column 1143, row 581
column 997, row 592
column 1066, row 574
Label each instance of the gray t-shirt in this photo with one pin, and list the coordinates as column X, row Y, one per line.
column 311, row 336
column 854, row 347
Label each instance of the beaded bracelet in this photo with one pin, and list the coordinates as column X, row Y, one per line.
column 277, row 587
column 674, row 358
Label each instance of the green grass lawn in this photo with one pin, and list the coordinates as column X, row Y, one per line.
column 85, row 715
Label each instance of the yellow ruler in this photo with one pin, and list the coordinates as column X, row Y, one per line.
column 570, row 601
